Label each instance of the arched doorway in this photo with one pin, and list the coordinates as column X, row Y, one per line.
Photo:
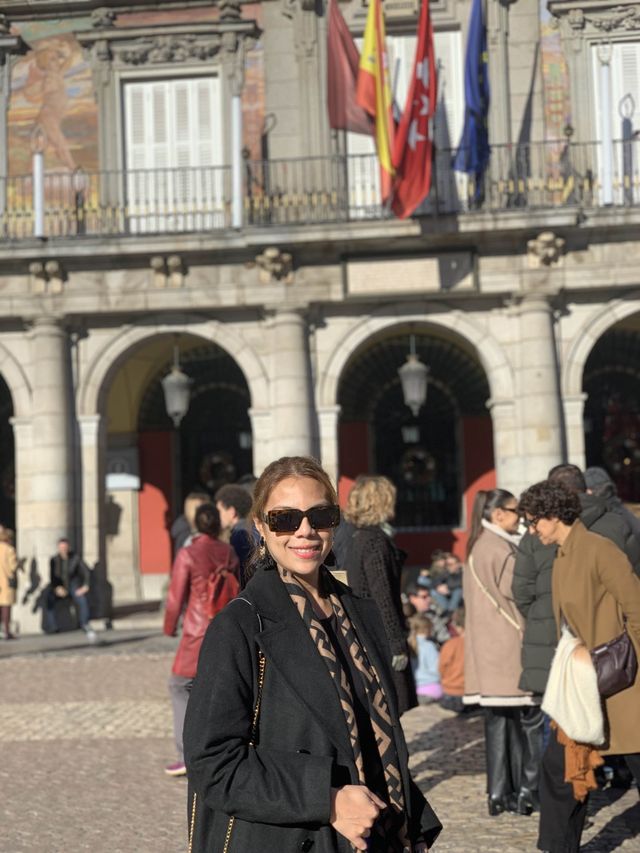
column 152, row 465
column 611, row 381
column 435, row 459
column 7, row 459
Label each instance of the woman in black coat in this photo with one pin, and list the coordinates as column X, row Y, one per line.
column 374, row 565
column 327, row 770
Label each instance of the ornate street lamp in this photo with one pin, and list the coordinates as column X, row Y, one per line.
column 413, row 377
column 176, row 386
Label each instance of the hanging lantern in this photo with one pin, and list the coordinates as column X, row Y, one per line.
column 176, row 386
column 413, row 377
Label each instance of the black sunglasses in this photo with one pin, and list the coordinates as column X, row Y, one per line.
column 289, row 520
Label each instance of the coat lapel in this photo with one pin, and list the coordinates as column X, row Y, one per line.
column 287, row 645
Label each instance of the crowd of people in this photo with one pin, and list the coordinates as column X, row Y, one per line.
column 301, row 680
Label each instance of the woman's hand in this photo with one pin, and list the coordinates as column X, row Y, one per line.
column 421, row 847
column 354, row 809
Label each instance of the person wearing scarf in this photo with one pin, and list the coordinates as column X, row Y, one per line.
column 492, row 649
column 327, row 770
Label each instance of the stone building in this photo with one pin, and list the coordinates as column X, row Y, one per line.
column 196, row 204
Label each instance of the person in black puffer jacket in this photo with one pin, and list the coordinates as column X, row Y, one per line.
column 532, row 576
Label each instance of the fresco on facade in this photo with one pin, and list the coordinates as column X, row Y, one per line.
column 52, row 103
column 555, row 75
column 557, row 106
column 52, row 100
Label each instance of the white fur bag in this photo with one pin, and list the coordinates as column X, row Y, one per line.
column 572, row 698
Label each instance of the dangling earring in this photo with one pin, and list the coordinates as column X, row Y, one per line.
column 262, row 548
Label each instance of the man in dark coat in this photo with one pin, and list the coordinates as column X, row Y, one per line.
column 68, row 578
column 600, row 484
column 532, row 576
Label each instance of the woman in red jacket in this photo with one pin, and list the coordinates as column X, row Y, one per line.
column 189, row 591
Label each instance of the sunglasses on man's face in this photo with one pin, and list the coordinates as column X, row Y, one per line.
column 289, row 520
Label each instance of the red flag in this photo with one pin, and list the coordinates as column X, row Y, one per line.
column 413, row 149
column 342, row 75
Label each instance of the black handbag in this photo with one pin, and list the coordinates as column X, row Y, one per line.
column 616, row 664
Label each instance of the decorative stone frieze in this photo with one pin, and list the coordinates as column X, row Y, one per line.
column 103, row 17
column 544, row 250
column 275, row 265
column 164, row 49
column 47, row 278
column 606, row 19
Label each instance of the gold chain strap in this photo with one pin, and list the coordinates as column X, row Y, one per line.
column 254, row 733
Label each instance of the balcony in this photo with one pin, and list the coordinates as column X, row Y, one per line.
column 315, row 190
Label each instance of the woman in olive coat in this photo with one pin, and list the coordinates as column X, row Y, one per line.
column 593, row 589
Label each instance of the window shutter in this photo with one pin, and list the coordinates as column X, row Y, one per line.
column 173, row 137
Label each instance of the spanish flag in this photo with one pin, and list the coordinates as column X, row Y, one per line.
column 374, row 91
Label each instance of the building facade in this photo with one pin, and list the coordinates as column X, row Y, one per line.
column 195, row 202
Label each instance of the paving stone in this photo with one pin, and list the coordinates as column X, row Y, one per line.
column 85, row 732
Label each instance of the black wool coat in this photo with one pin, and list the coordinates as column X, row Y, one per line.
column 279, row 791
column 374, row 566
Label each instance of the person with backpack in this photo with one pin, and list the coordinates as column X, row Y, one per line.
column 203, row 578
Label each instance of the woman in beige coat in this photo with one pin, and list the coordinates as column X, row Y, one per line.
column 492, row 646
column 594, row 588
column 8, row 582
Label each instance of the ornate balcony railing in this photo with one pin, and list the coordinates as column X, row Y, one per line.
column 315, row 190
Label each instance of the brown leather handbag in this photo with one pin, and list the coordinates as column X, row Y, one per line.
column 616, row 664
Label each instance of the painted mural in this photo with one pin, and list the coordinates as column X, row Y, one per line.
column 52, row 105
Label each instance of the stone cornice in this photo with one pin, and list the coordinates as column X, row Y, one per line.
column 34, row 9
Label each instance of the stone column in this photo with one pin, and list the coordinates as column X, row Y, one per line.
column 574, row 420
column 500, row 126
column 291, row 385
column 507, row 457
column 92, row 452
column 328, row 418
column 262, row 432
column 51, row 492
column 541, row 421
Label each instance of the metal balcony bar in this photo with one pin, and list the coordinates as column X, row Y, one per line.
column 312, row 190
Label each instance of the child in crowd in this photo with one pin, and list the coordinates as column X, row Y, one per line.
column 424, row 659
column 451, row 666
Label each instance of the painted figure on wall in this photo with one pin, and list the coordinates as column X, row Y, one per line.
column 46, row 85
column 52, row 103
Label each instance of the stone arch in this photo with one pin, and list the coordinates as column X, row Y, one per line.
column 603, row 318
column 489, row 352
column 17, row 382
column 105, row 363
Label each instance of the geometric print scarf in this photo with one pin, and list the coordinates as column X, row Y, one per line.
column 389, row 833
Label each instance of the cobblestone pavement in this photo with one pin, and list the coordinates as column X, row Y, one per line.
column 85, row 731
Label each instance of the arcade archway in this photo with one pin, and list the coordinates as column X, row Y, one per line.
column 152, row 465
column 611, row 381
column 434, row 459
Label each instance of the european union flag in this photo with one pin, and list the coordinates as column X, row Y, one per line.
column 473, row 152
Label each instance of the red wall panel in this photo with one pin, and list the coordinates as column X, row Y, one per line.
column 154, row 501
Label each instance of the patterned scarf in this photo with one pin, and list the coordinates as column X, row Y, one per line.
column 389, row 833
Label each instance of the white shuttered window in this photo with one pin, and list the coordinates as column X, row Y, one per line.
column 173, row 154
column 623, row 119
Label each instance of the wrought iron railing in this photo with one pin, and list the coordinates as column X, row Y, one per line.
column 318, row 190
